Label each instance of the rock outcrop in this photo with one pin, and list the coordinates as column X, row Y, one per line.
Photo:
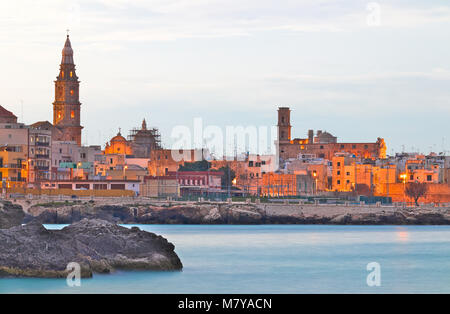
column 239, row 213
column 10, row 214
column 96, row 245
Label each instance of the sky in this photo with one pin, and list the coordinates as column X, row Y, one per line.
column 357, row 69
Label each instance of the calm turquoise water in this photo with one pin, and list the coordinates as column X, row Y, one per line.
column 280, row 259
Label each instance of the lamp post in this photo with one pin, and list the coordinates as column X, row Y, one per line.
column 403, row 177
column 78, row 171
column 315, row 181
column 124, row 169
column 28, row 171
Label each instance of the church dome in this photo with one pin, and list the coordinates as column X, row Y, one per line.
column 118, row 138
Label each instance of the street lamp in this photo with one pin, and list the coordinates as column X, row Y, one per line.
column 315, row 181
column 403, row 177
column 78, row 171
column 124, row 169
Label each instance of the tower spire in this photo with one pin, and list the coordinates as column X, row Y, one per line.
column 66, row 107
column 67, row 52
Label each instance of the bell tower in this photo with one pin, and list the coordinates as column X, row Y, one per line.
column 284, row 124
column 66, row 107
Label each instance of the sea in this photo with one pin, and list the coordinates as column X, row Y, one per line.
column 272, row 259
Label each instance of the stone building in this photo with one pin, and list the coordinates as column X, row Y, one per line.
column 140, row 143
column 66, row 107
column 13, row 150
column 144, row 140
column 39, row 155
column 323, row 145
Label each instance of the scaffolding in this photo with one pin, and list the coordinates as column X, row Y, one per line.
column 136, row 133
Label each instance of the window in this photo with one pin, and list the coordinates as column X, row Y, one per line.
column 71, row 92
column 321, row 146
column 338, row 173
column 250, row 163
column 348, row 181
column 411, row 177
column 71, row 74
column 353, row 146
column 59, row 114
column 339, row 164
column 429, row 177
column 342, row 146
column 72, row 114
column 348, row 173
column 338, row 181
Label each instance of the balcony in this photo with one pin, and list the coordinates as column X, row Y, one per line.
column 42, row 156
column 44, row 144
column 41, row 168
column 16, row 179
column 11, row 166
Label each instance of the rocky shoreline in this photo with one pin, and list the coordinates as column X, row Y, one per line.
column 10, row 215
column 96, row 245
column 239, row 213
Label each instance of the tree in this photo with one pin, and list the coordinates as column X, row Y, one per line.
column 227, row 178
column 416, row 190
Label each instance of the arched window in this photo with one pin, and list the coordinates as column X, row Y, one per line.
column 71, row 92
column 71, row 73
column 72, row 114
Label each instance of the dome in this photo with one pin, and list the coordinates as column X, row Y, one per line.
column 118, row 138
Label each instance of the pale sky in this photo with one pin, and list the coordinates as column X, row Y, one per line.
column 232, row 62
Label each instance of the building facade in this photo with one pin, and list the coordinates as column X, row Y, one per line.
column 323, row 145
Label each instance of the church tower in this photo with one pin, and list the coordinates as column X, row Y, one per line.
column 66, row 108
column 284, row 124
